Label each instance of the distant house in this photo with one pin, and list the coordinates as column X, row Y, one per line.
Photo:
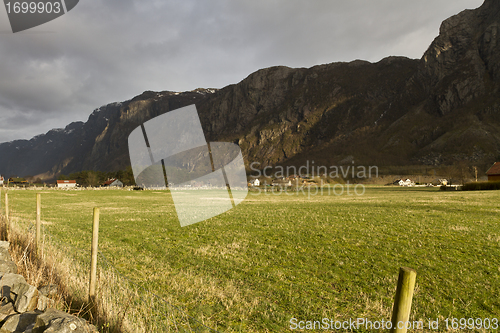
column 493, row 173
column 255, row 182
column 406, row 182
column 439, row 182
column 66, row 183
column 1, row 180
column 282, row 182
column 113, row 182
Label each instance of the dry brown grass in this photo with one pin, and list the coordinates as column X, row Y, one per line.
column 120, row 306
column 53, row 266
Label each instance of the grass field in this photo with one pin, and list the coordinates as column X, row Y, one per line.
column 277, row 257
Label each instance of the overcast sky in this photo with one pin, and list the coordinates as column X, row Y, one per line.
column 104, row 51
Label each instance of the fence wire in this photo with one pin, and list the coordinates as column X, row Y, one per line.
column 122, row 300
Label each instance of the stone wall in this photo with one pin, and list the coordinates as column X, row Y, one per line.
column 26, row 309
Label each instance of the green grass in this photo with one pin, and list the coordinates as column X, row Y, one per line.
column 274, row 257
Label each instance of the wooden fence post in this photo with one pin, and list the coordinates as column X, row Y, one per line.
column 93, row 262
column 6, row 206
column 7, row 222
column 402, row 301
column 38, row 213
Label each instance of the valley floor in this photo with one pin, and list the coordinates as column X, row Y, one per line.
column 276, row 257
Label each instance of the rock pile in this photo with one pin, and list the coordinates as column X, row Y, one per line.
column 25, row 309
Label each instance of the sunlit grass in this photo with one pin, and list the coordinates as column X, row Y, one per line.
column 275, row 257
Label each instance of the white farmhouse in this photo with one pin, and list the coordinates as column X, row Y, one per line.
column 255, row 182
column 66, row 183
column 406, row 182
column 113, row 182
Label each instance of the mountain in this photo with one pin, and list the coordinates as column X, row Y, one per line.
column 438, row 110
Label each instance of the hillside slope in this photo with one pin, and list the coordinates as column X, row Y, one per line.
column 437, row 110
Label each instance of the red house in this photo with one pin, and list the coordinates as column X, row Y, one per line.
column 493, row 173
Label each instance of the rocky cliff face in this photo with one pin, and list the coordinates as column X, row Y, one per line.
column 437, row 110
column 286, row 115
column 462, row 63
column 460, row 79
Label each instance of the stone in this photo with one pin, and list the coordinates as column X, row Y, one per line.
column 48, row 290
column 8, row 266
column 10, row 279
column 44, row 302
column 19, row 323
column 57, row 321
column 6, row 283
column 6, row 310
column 4, row 245
column 26, row 297
column 4, row 254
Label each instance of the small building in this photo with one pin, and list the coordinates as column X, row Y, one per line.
column 66, row 183
column 1, row 180
column 282, row 182
column 406, row 182
column 493, row 173
column 113, row 182
column 439, row 182
column 255, row 182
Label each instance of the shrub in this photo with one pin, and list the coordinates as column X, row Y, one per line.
column 481, row 186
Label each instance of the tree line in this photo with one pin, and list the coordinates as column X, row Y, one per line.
column 97, row 178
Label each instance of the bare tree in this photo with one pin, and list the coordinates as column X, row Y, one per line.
column 459, row 172
column 92, row 178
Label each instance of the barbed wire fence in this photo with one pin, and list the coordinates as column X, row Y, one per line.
column 123, row 305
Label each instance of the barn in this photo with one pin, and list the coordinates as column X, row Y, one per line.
column 113, row 182
column 493, row 173
column 66, row 183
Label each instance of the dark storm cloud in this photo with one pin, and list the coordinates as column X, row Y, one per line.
column 111, row 50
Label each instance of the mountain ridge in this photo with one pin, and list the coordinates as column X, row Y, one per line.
column 438, row 110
